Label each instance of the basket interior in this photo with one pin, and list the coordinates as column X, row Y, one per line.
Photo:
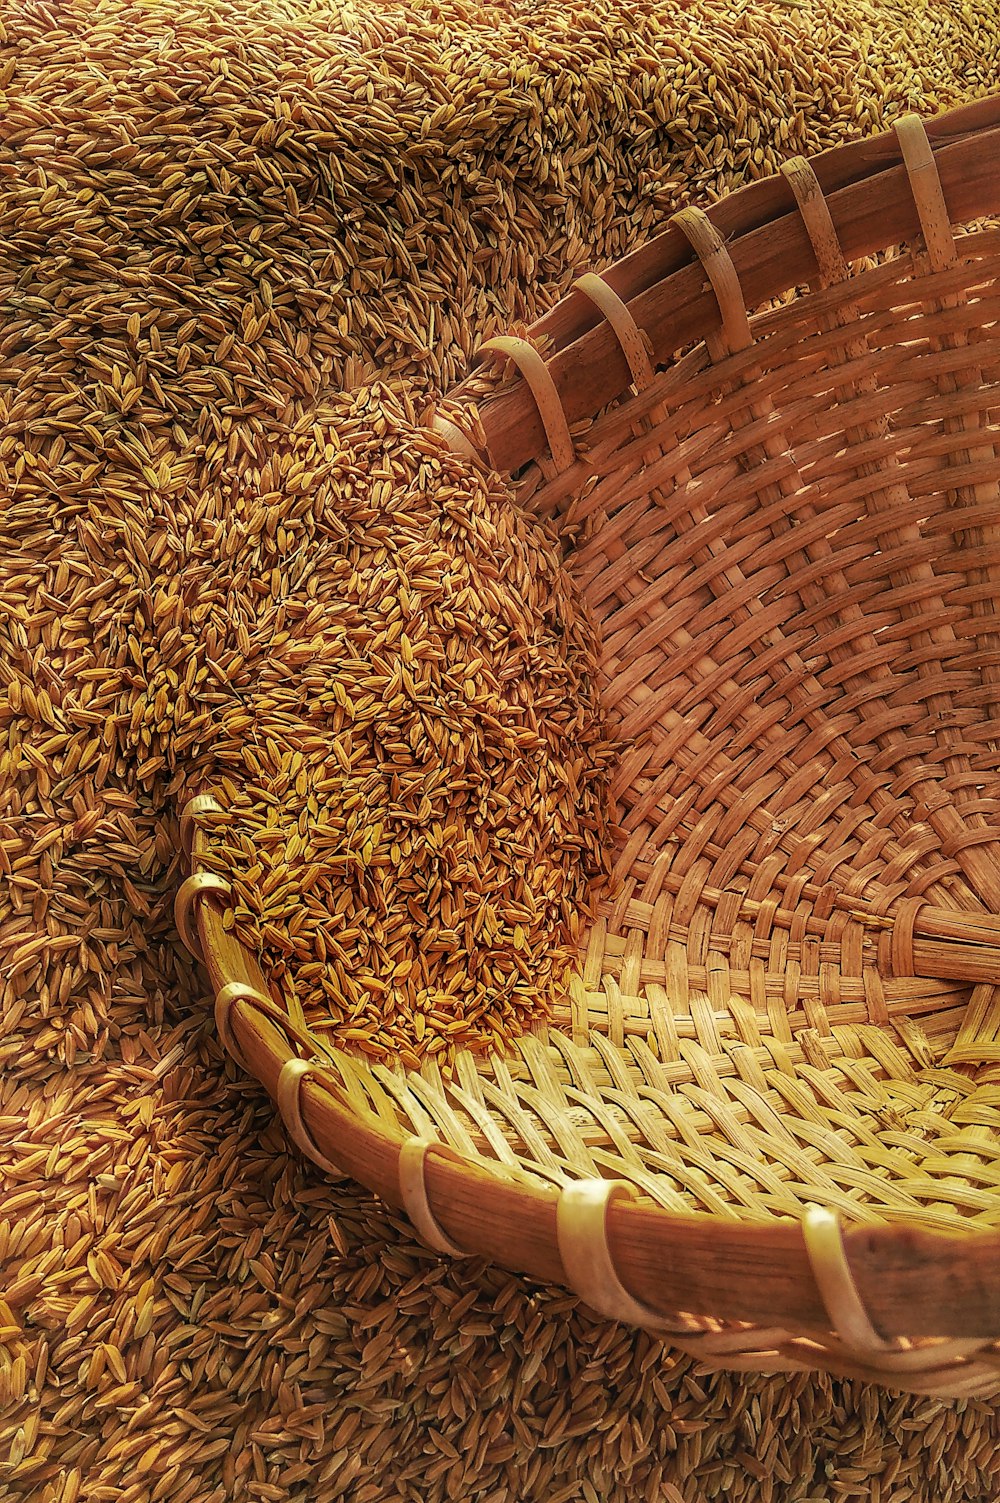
column 792, row 551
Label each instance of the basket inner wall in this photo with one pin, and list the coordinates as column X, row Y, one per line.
column 792, row 552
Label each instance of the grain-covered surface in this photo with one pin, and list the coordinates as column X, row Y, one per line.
column 208, row 217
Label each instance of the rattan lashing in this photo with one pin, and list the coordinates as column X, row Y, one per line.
column 766, row 1121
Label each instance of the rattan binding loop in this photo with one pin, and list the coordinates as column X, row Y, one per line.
column 582, row 1235
column 622, row 325
column 413, row 1189
column 290, row 1078
column 539, row 379
column 824, row 1241
column 202, row 803
column 819, row 226
column 457, row 441
column 928, row 195
column 710, row 248
column 186, row 904
column 226, row 999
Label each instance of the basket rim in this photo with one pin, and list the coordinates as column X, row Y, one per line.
column 666, row 1260
column 877, row 1286
column 663, row 284
column 261, row 1041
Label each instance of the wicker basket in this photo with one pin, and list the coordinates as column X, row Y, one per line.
column 766, row 1122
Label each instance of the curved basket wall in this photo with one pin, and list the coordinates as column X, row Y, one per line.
column 767, row 1120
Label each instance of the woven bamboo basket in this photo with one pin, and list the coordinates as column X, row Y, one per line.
column 766, row 1121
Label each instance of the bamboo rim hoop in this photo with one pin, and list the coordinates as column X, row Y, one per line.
column 596, row 409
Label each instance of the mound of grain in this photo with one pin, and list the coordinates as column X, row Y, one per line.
column 416, row 783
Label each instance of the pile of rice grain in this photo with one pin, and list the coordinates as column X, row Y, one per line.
column 416, row 778
column 213, row 217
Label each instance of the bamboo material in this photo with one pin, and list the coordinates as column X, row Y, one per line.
column 765, row 1120
column 771, row 251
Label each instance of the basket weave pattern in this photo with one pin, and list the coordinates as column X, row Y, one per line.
column 764, row 1120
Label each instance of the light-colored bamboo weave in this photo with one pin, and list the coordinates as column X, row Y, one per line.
column 766, row 1120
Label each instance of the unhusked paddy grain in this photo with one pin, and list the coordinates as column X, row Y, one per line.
column 211, row 217
column 416, row 782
